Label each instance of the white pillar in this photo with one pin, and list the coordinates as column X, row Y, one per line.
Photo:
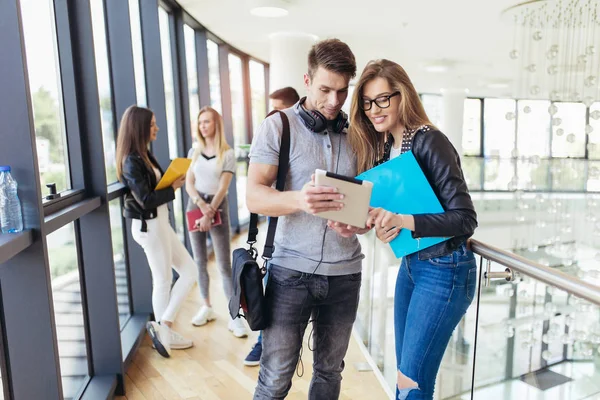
column 288, row 60
column 453, row 115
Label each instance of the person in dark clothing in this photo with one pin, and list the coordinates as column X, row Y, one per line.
column 284, row 98
column 147, row 207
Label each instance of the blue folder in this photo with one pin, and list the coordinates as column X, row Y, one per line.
column 400, row 186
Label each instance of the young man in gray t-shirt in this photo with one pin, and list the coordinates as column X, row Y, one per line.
column 316, row 267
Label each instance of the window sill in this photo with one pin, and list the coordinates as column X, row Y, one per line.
column 132, row 335
column 66, row 199
column 100, row 387
column 12, row 244
column 116, row 190
column 69, row 214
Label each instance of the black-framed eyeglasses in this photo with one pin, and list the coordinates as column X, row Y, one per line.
column 381, row 101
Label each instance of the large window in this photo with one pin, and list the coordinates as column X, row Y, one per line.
column 533, row 128
column 46, row 95
column 568, row 130
column 535, row 136
column 68, row 309
column 121, row 275
column 471, row 141
column 533, row 173
column 214, row 75
column 567, row 175
column 240, row 136
column 593, row 131
column 593, row 182
column 257, row 86
column 138, row 52
column 259, row 111
column 77, row 311
column 434, row 108
column 236, row 82
column 472, row 169
column 164, row 21
column 167, row 63
column 499, row 174
column 499, row 119
column 104, row 89
column 192, row 79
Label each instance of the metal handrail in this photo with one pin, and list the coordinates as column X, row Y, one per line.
column 550, row 276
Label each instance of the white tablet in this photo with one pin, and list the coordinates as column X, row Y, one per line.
column 357, row 196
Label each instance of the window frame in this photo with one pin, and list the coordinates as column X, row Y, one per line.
column 86, row 204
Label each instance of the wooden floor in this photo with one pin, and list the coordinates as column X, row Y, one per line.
column 213, row 368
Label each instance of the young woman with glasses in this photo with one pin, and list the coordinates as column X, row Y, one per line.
column 435, row 286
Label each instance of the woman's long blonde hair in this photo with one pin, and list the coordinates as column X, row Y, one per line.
column 220, row 140
column 366, row 142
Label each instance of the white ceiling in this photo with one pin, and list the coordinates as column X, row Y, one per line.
column 469, row 34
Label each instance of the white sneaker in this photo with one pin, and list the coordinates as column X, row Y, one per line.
column 238, row 328
column 161, row 338
column 178, row 342
column 205, row 315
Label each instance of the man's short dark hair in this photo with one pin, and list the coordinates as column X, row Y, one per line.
column 333, row 55
column 288, row 95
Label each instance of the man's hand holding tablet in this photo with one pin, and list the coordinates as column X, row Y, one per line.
column 314, row 199
column 355, row 195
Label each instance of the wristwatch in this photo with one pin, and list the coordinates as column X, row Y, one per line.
column 195, row 199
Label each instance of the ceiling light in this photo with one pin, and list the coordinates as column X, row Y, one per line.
column 439, row 66
column 497, row 85
column 436, row 68
column 268, row 8
column 456, row 90
column 269, row 12
column 294, row 35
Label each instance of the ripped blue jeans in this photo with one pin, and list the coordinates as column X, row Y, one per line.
column 431, row 298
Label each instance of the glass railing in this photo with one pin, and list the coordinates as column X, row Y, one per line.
column 532, row 332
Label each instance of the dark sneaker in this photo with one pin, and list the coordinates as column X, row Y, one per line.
column 160, row 338
column 253, row 358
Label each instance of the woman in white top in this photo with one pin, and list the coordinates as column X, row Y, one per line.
column 207, row 183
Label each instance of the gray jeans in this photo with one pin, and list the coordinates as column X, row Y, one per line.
column 292, row 298
column 220, row 236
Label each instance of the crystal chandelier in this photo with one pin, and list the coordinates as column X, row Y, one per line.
column 555, row 50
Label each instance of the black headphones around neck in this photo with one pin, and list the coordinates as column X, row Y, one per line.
column 316, row 122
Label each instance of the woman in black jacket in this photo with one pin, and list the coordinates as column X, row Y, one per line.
column 435, row 286
column 139, row 171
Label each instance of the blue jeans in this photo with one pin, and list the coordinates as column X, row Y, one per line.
column 292, row 299
column 430, row 300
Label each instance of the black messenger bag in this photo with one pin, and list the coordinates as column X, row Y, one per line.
column 248, row 293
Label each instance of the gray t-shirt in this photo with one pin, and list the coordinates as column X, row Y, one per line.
column 299, row 236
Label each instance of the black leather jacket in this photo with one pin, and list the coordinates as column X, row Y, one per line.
column 142, row 200
column 441, row 165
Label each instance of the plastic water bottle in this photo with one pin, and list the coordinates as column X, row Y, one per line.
column 10, row 206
